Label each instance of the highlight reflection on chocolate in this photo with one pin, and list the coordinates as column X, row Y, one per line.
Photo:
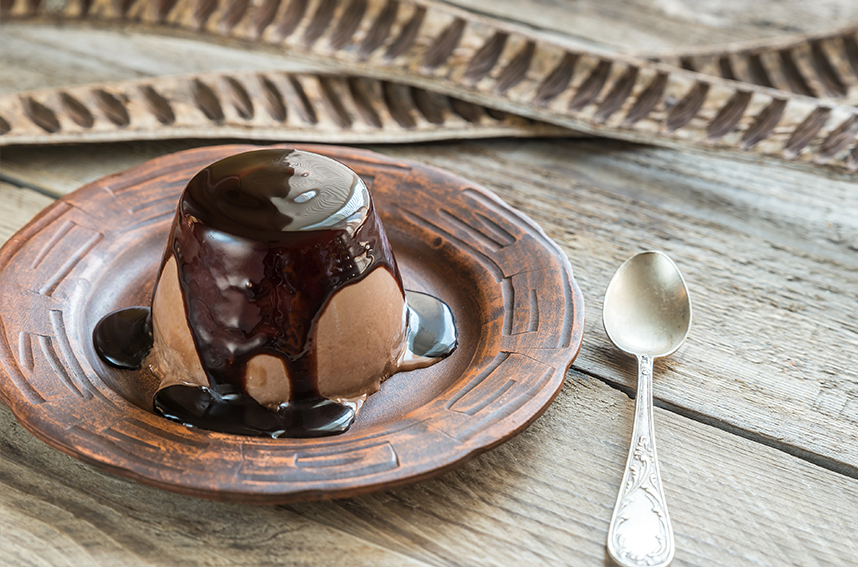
column 279, row 306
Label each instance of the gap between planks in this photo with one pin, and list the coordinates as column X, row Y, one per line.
column 799, row 453
column 21, row 184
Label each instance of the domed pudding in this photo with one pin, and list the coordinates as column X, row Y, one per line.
column 279, row 305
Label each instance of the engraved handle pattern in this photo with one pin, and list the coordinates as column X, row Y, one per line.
column 640, row 533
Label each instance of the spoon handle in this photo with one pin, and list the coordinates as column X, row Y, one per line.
column 640, row 532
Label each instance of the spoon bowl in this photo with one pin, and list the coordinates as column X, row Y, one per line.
column 647, row 308
column 647, row 314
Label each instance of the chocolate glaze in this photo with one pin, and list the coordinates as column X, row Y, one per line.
column 262, row 241
column 123, row 338
column 431, row 328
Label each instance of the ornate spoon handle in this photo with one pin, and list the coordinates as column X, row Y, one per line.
column 640, row 532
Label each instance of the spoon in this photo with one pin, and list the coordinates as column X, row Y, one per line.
column 647, row 314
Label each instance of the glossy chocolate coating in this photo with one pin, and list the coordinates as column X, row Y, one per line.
column 262, row 241
column 123, row 338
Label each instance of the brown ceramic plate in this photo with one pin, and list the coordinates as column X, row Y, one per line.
column 519, row 313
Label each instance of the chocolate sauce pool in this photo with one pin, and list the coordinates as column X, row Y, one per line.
column 262, row 241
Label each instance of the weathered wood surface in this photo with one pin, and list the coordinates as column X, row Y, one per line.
column 758, row 419
column 545, row 498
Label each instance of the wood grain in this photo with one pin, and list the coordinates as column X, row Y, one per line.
column 771, row 272
column 18, row 206
column 68, row 513
column 645, row 27
column 76, row 56
column 543, row 498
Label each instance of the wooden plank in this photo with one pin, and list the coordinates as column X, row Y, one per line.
column 62, row 169
column 57, row 511
column 72, row 55
column 544, row 498
column 18, row 206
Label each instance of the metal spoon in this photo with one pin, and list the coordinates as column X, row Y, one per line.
column 647, row 314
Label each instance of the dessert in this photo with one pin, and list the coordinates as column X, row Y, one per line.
column 279, row 305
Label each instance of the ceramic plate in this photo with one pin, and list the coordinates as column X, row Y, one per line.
column 518, row 310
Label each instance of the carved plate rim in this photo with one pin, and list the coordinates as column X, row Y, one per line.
column 90, row 421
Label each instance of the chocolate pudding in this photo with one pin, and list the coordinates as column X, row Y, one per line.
column 279, row 305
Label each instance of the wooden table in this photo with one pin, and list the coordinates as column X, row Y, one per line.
column 756, row 417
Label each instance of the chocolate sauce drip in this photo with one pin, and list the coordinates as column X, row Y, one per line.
column 240, row 414
column 123, row 338
column 431, row 329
